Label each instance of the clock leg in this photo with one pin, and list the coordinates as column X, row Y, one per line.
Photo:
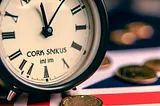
column 67, row 93
column 12, row 95
column 7, row 96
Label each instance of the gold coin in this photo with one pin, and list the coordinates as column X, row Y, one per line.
column 137, row 74
column 81, row 100
column 134, row 26
column 142, row 30
column 145, row 32
column 153, row 64
column 128, row 38
column 106, row 63
column 116, row 36
column 122, row 37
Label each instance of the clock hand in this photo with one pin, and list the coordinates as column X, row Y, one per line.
column 55, row 13
column 46, row 30
column 44, row 15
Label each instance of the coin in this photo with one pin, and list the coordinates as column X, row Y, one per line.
column 137, row 74
column 106, row 63
column 123, row 37
column 81, row 100
column 145, row 32
column 142, row 30
column 128, row 38
column 154, row 64
column 115, row 36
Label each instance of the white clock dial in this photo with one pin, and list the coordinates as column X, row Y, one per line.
column 34, row 57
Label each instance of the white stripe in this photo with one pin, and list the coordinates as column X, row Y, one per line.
column 55, row 100
column 118, row 90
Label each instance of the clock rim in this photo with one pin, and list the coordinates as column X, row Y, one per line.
column 12, row 82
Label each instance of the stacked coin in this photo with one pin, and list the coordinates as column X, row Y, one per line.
column 137, row 74
column 131, row 33
column 142, row 30
column 106, row 63
column 81, row 100
column 123, row 37
column 153, row 64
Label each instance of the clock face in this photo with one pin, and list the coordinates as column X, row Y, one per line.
column 46, row 42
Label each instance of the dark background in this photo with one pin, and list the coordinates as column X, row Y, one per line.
column 122, row 12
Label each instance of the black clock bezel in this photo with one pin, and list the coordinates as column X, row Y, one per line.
column 13, row 82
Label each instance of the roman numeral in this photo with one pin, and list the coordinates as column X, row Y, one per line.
column 81, row 27
column 14, row 17
column 15, row 55
column 30, row 70
column 24, row 2
column 8, row 35
column 84, row 52
column 65, row 63
column 76, row 46
column 46, row 74
column 22, row 64
column 77, row 9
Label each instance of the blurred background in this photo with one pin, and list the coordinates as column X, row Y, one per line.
column 134, row 33
column 133, row 24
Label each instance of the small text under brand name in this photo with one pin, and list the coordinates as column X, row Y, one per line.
column 35, row 53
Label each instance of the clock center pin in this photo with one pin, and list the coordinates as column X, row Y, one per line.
column 47, row 32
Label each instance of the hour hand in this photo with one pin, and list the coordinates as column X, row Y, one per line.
column 44, row 15
column 46, row 31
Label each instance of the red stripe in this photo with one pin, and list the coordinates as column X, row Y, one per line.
column 130, row 98
column 6, row 104
column 40, row 104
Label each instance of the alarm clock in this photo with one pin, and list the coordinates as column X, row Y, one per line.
column 50, row 46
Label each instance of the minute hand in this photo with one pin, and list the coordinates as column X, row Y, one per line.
column 55, row 13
